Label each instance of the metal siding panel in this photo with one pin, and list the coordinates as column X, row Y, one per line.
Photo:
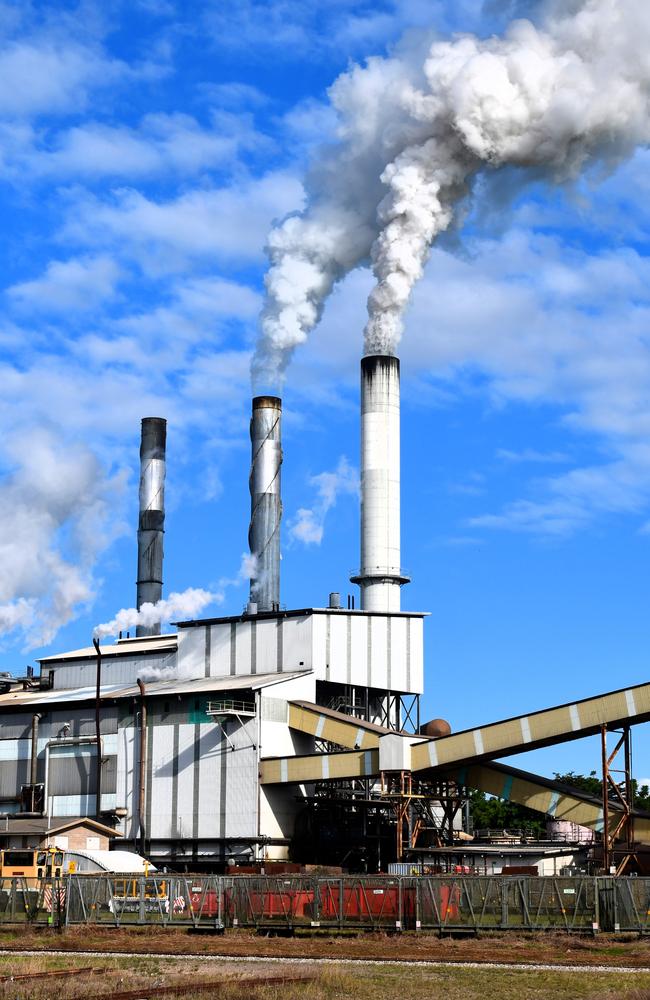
column 191, row 652
column 267, row 647
column 128, row 774
column 80, row 720
column 72, row 773
column 162, row 743
column 243, row 648
column 15, row 749
column 297, row 643
column 220, row 651
column 16, row 727
column 109, row 776
column 78, row 805
column 319, row 645
column 115, row 670
column 378, row 626
column 211, row 749
column 241, row 783
column 338, row 662
column 13, row 774
column 399, row 679
column 185, row 781
column 416, row 626
column 359, row 650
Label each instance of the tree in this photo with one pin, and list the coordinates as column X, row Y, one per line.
column 594, row 786
column 497, row 814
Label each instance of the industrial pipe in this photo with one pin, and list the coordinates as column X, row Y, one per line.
column 143, row 767
column 36, row 718
column 151, row 521
column 266, row 503
column 98, row 736
column 380, row 576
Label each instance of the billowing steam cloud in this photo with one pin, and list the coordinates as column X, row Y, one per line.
column 185, row 605
column 57, row 514
column 416, row 129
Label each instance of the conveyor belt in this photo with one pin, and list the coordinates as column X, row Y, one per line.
column 542, row 794
column 335, row 727
column 526, row 789
column 628, row 706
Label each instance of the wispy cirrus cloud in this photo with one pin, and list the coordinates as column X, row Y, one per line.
column 308, row 524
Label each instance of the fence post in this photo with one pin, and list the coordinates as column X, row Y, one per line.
column 504, row 902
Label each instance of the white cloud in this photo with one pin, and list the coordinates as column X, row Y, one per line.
column 45, row 76
column 230, row 222
column 308, row 525
column 77, row 284
column 532, row 455
column 160, row 144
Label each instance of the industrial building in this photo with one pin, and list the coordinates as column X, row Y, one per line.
column 281, row 733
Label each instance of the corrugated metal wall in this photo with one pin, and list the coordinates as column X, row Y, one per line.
column 200, row 784
column 245, row 647
column 115, row 669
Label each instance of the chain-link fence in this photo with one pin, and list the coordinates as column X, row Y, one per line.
column 290, row 902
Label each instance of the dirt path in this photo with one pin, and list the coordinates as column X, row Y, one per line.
column 556, row 950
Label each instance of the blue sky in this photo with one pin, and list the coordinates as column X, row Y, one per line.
column 145, row 150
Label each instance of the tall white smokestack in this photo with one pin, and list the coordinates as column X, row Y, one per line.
column 151, row 522
column 380, row 576
column 266, row 503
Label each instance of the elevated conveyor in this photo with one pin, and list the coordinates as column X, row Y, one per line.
column 521, row 787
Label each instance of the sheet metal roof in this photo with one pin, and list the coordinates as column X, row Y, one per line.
column 155, row 688
column 123, row 647
column 299, row 613
column 15, row 825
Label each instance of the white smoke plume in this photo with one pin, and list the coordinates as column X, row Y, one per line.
column 57, row 514
column 417, row 128
column 187, row 604
column 180, row 605
column 308, row 525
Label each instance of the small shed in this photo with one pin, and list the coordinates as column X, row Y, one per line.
column 80, row 833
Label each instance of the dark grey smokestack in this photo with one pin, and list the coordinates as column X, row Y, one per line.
column 151, row 524
column 266, row 503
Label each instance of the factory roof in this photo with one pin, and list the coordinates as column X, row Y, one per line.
column 299, row 613
column 19, row 825
column 171, row 686
column 123, row 647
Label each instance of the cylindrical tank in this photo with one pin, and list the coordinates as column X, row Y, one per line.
column 151, row 520
column 266, row 503
column 435, row 728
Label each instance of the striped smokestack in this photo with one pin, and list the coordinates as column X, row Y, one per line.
column 266, row 503
column 380, row 576
column 151, row 522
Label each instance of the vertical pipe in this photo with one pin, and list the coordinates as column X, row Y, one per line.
column 605, row 764
column 266, row 503
column 34, row 763
column 151, row 521
column 143, row 767
column 380, row 576
column 98, row 737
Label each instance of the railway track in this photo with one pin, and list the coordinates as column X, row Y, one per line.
column 307, row 960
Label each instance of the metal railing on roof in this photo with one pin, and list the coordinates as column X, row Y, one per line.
column 231, row 706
